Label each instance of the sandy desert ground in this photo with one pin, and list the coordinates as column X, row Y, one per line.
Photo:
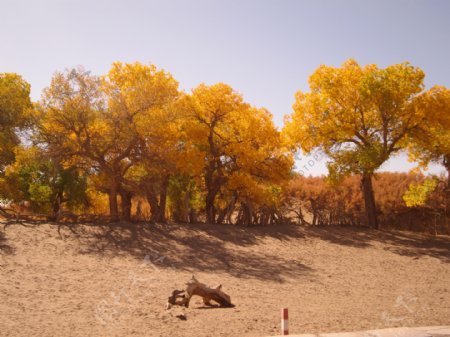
column 86, row 280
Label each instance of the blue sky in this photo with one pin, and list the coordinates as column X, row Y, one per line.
column 264, row 49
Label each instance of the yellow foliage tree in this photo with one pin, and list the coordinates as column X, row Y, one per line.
column 102, row 123
column 76, row 125
column 358, row 116
column 430, row 141
column 238, row 146
column 144, row 97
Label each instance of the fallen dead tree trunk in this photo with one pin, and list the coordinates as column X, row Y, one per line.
column 12, row 214
column 194, row 287
column 8, row 213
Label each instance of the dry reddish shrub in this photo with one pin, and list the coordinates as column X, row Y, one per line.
column 316, row 202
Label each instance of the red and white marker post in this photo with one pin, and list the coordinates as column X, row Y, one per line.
column 284, row 322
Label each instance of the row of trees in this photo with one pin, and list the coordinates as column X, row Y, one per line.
column 132, row 135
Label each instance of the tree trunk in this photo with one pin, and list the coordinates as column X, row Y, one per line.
column 154, row 206
column 163, row 200
column 247, row 213
column 230, row 209
column 314, row 211
column 139, row 211
column 369, row 201
column 192, row 216
column 221, row 216
column 446, row 163
column 213, row 185
column 126, row 197
column 239, row 216
column 157, row 199
column 186, row 205
column 210, row 216
column 113, row 206
column 301, row 217
column 57, row 206
column 223, row 213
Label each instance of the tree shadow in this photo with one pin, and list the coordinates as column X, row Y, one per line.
column 215, row 306
column 5, row 248
column 416, row 246
column 193, row 248
column 411, row 244
column 228, row 249
column 353, row 236
column 24, row 223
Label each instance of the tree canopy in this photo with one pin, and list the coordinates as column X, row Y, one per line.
column 14, row 105
column 132, row 144
column 358, row 116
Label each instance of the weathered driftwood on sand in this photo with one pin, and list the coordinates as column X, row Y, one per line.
column 194, row 287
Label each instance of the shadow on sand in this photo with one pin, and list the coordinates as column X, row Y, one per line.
column 219, row 248
column 202, row 247
column 194, row 247
column 414, row 245
column 5, row 248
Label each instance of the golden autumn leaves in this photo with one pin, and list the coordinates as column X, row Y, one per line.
column 133, row 134
column 135, row 129
column 360, row 116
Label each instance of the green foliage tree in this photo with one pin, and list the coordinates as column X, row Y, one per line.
column 44, row 182
column 14, row 105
